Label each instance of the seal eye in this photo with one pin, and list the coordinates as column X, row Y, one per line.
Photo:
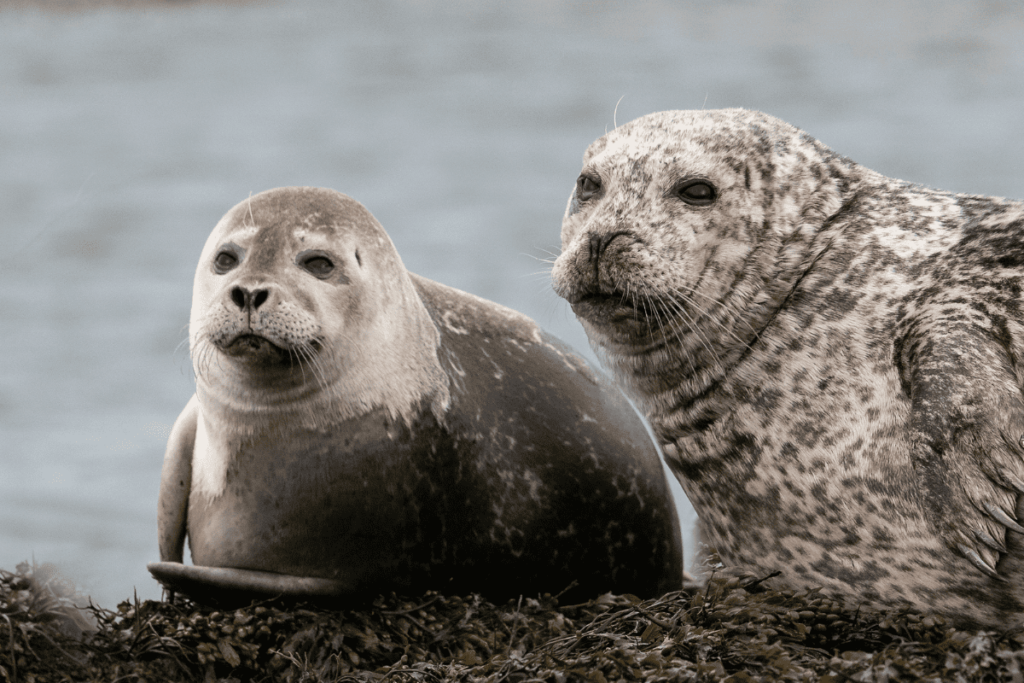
column 696, row 192
column 224, row 262
column 587, row 187
column 319, row 266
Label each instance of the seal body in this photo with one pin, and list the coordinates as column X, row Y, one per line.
column 830, row 358
column 357, row 429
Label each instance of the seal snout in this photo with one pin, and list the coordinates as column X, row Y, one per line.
column 255, row 328
column 586, row 272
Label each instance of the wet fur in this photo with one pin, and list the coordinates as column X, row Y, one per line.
column 830, row 358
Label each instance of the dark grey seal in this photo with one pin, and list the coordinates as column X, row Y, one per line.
column 359, row 429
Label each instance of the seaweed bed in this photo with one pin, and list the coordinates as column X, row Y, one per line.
column 731, row 629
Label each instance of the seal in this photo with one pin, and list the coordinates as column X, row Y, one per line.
column 830, row 358
column 358, row 429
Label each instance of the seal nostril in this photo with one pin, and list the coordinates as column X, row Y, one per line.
column 595, row 248
column 243, row 298
column 599, row 244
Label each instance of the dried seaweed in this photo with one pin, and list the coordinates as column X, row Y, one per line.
column 729, row 630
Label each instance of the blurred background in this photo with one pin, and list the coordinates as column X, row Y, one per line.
column 127, row 130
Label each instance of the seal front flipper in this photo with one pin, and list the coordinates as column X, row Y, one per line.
column 967, row 420
column 175, row 483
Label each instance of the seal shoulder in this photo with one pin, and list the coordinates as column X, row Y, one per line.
column 461, row 316
column 462, row 313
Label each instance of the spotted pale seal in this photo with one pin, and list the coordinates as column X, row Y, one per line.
column 831, row 359
column 357, row 428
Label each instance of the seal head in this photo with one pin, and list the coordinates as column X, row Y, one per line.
column 316, row 280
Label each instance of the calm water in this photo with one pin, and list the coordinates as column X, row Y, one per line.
column 125, row 134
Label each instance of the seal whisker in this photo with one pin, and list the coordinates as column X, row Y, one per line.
column 662, row 326
column 297, row 356
column 199, row 353
column 207, row 356
column 317, row 365
column 183, row 342
column 724, row 306
column 684, row 325
column 304, row 357
column 317, row 362
column 185, row 339
column 540, row 273
column 615, row 112
column 657, row 327
column 699, row 315
column 677, row 329
column 646, row 309
column 553, row 255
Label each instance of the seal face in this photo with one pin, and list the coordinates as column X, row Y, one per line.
column 829, row 357
column 357, row 429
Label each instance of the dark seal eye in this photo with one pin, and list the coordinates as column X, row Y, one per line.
column 319, row 266
column 587, row 187
column 224, row 261
column 696, row 192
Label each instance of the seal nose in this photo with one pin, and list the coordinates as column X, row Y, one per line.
column 245, row 298
column 598, row 245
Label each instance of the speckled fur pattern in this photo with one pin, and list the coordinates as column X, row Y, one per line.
column 832, row 359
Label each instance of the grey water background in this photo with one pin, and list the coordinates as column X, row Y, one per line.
column 127, row 131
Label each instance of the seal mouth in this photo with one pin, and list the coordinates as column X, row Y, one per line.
column 255, row 347
column 613, row 307
column 252, row 347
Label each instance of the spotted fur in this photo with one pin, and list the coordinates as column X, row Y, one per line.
column 832, row 359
